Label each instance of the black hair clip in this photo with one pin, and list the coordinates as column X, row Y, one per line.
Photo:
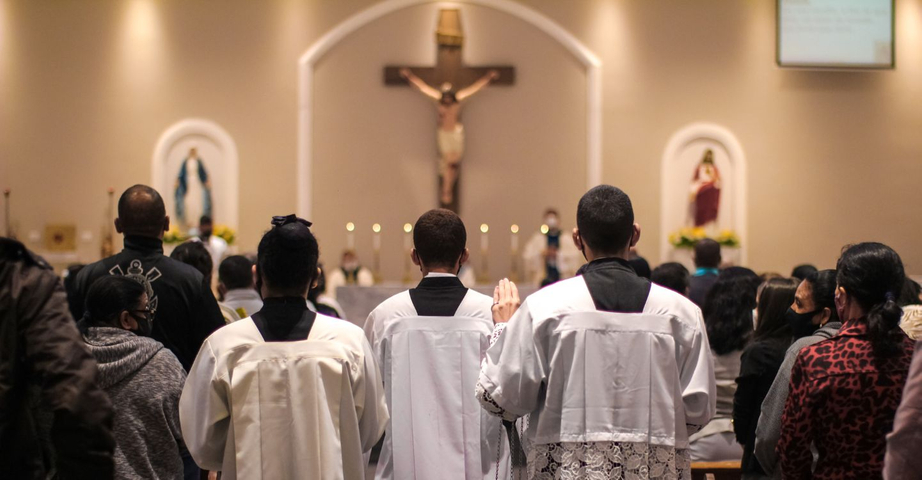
column 282, row 220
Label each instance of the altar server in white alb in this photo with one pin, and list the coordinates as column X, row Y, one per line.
column 615, row 372
column 429, row 342
column 285, row 393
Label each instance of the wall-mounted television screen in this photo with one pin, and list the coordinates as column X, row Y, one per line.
column 849, row 34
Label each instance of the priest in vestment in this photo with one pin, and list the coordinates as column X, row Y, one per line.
column 613, row 371
column 547, row 259
column 430, row 341
column 285, row 393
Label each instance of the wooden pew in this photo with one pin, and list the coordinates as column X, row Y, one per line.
column 715, row 470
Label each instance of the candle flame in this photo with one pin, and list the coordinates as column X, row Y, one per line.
column 350, row 227
column 484, row 228
column 376, row 228
column 407, row 227
column 514, row 228
column 544, row 229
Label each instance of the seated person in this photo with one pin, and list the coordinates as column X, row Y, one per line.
column 350, row 272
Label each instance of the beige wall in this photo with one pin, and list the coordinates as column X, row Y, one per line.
column 86, row 88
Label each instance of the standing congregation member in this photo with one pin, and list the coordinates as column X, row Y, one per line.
column 812, row 318
column 613, row 371
column 759, row 364
column 142, row 378
column 43, row 360
column 728, row 317
column 285, row 393
column 707, row 262
column 236, row 286
column 430, row 341
column 845, row 390
column 184, row 305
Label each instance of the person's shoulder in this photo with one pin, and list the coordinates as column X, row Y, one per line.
column 233, row 334
column 664, row 301
column 185, row 272
column 338, row 330
column 395, row 304
column 168, row 367
column 559, row 297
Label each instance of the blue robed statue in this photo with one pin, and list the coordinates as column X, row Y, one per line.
column 192, row 182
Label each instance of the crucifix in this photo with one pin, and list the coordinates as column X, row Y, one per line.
column 449, row 83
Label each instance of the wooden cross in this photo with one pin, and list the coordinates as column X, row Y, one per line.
column 448, row 67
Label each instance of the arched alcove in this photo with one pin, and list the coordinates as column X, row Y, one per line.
column 218, row 153
column 683, row 151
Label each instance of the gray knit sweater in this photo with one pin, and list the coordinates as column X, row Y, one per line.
column 144, row 380
column 768, row 430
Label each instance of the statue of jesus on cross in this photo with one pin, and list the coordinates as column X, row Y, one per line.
column 457, row 84
column 450, row 136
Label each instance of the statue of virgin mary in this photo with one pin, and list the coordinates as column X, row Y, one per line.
column 192, row 182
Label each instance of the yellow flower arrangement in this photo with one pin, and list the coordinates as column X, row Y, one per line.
column 174, row 236
column 227, row 233
column 687, row 237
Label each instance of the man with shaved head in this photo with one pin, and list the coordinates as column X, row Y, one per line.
column 184, row 309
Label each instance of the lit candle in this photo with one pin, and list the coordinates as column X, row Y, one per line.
column 350, row 236
column 484, row 240
column 544, row 229
column 376, row 240
column 515, row 238
column 407, row 239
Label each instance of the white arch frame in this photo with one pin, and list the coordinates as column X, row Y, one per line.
column 307, row 61
column 209, row 129
column 707, row 131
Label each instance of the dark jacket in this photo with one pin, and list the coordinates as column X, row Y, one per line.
column 759, row 365
column 699, row 286
column 144, row 381
column 186, row 311
column 768, row 430
column 41, row 351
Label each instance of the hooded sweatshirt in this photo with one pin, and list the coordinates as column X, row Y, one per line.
column 768, row 430
column 144, row 380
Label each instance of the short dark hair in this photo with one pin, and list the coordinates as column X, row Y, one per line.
column 707, row 253
column 109, row 296
column 287, row 257
column 672, row 275
column 801, row 272
column 141, row 211
column 195, row 254
column 605, row 218
column 205, row 220
column 236, row 271
column 439, row 238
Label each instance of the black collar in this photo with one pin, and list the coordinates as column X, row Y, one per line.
column 440, row 282
column 143, row 244
column 284, row 319
column 614, row 263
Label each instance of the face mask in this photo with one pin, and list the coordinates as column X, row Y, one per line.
column 801, row 323
column 145, row 324
column 350, row 266
column 551, row 222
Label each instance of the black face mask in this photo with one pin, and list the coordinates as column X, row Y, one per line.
column 801, row 323
column 145, row 324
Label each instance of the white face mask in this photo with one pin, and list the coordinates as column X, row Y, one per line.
column 350, row 265
column 551, row 222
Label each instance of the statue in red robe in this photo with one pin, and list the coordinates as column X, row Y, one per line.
column 705, row 191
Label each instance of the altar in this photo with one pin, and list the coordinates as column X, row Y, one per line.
column 358, row 302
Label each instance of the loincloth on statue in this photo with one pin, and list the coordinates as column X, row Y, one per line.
column 450, row 143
